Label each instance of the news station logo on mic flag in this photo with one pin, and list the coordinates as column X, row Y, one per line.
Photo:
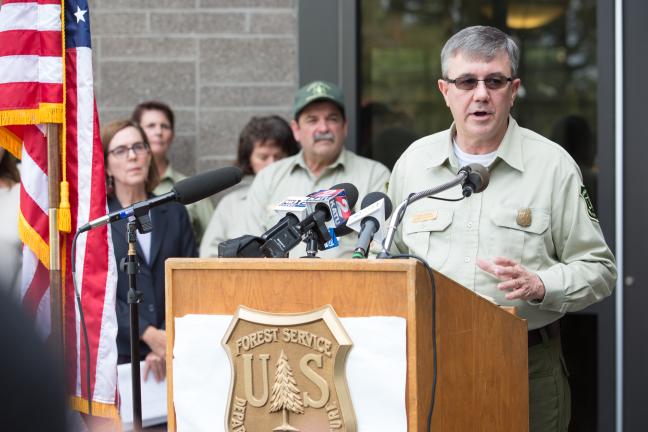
column 36, row 67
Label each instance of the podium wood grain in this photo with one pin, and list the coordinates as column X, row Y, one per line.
column 482, row 350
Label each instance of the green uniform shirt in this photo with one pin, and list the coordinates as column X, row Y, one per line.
column 534, row 211
column 291, row 177
column 199, row 212
column 226, row 222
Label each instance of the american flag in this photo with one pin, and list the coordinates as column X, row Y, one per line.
column 32, row 83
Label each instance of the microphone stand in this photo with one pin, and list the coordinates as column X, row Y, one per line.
column 311, row 244
column 140, row 221
column 130, row 266
column 400, row 210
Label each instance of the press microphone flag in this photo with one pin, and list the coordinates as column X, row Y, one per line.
column 334, row 202
column 295, row 205
column 186, row 191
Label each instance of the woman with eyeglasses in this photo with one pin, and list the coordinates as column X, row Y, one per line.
column 131, row 177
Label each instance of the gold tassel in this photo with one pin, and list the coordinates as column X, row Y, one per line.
column 64, row 216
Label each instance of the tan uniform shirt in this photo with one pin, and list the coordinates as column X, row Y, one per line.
column 199, row 212
column 291, row 177
column 533, row 211
column 226, row 222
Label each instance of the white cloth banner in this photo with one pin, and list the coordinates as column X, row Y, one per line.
column 376, row 372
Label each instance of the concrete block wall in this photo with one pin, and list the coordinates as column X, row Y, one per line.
column 216, row 62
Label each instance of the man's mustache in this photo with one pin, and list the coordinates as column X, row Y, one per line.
column 326, row 136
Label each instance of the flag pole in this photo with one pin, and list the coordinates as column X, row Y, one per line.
column 56, row 293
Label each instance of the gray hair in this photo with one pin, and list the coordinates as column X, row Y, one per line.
column 480, row 43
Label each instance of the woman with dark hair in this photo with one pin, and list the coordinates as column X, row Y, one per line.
column 131, row 177
column 10, row 244
column 263, row 140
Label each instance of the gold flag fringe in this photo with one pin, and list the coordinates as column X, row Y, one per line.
column 11, row 142
column 33, row 241
column 45, row 113
column 100, row 409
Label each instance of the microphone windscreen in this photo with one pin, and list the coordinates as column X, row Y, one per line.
column 206, row 184
column 350, row 191
column 479, row 176
column 373, row 197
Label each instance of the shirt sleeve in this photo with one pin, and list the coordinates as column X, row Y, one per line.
column 216, row 231
column 586, row 271
column 200, row 213
column 257, row 202
column 395, row 192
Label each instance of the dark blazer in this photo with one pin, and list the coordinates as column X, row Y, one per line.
column 172, row 236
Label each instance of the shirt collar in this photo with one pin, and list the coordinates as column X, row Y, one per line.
column 168, row 174
column 300, row 162
column 444, row 154
column 509, row 150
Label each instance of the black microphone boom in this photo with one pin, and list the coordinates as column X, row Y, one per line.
column 186, row 191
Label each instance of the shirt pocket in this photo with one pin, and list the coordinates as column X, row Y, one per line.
column 525, row 244
column 430, row 239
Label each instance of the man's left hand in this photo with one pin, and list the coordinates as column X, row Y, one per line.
column 520, row 283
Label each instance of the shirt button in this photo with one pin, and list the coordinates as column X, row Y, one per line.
column 469, row 225
column 151, row 308
column 467, row 259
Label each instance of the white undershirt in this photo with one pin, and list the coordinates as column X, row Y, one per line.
column 144, row 241
column 468, row 158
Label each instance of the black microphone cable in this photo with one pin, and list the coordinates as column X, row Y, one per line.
column 84, row 330
column 434, row 338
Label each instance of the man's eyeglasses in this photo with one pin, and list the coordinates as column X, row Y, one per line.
column 492, row 82
column 121, row 152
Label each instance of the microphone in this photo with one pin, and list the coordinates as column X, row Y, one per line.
column 333, row 202
column 186, row 191
column 473, row 178
column 331, row 205
column 476, row 181
column 370, row 221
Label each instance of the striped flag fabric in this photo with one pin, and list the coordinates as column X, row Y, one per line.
column 46, row 77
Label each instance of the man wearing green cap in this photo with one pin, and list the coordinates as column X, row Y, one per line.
column 320, row 126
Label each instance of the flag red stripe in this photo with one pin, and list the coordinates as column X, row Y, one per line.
column 34, row 215
column 54, row 2
column 36, row 146
column 96, row 260
column 72, row 172
column 27, row 95
column 37, row 289
column 30, row 42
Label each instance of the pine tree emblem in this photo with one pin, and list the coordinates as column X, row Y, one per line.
column 285, row 394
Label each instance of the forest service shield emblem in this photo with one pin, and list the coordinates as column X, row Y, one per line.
column 288, row 372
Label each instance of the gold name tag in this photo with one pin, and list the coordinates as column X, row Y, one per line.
column 427, row 216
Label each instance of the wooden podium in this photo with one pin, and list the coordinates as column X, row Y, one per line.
column 482, row 381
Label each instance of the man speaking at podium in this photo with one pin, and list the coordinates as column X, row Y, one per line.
column 532, row 239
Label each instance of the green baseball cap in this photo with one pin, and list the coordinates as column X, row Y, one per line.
column 315, row 91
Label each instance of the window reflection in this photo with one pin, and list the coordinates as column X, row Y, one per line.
column 401, row 41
